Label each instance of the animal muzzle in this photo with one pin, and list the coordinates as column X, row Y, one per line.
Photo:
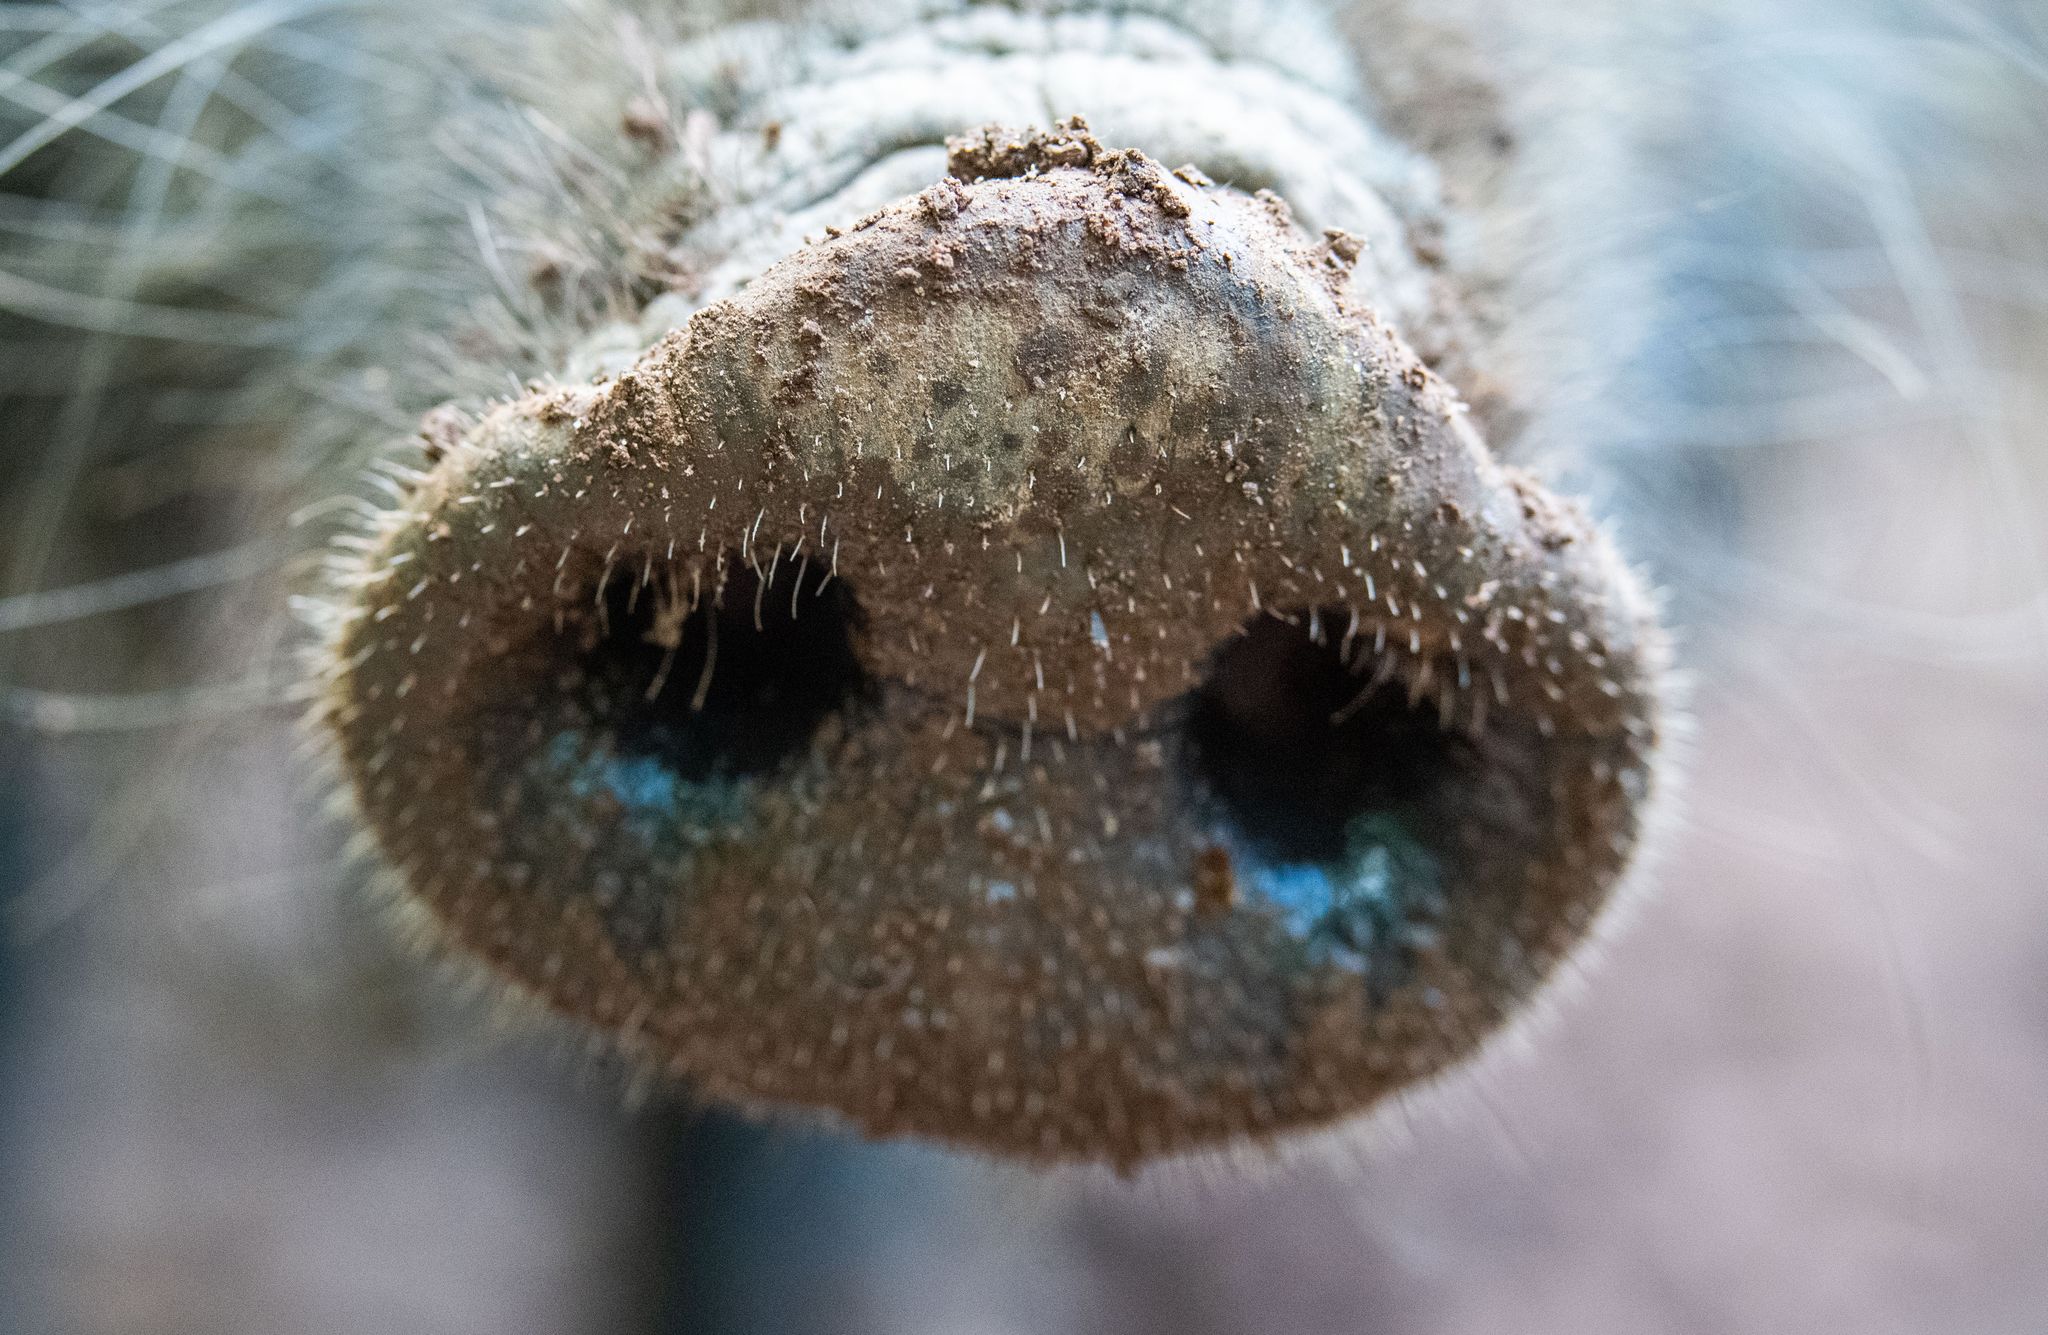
column 1046, row 668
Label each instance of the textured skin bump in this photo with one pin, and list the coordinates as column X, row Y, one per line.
column 1045, row 669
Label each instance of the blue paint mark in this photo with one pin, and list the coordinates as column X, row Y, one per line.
column 661, row 809
column 1362, row 910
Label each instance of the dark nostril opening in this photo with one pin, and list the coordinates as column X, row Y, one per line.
column 1295, row 747
column 735, row 685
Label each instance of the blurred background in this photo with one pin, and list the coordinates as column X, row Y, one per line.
column 1802, row 1090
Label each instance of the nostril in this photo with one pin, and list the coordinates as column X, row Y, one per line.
column 1294, row 745
column 724, row 683
column 1342, row 801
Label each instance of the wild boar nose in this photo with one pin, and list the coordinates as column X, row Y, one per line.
column 1047, row 669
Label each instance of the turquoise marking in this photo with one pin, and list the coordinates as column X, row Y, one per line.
column 666, row 813
column 1384, row 893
